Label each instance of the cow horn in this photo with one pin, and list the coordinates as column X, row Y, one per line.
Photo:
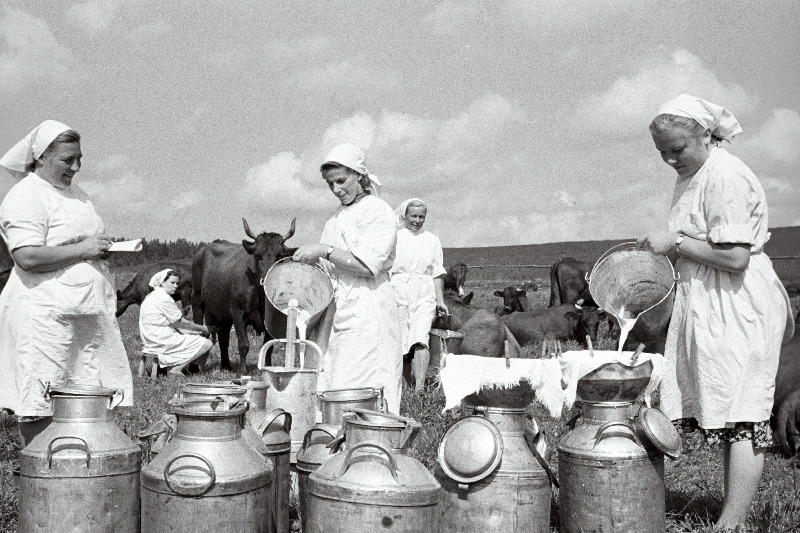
column 291, row 231
column 247, row 229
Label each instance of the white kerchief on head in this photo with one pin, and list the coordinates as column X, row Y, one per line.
column 159, row 278
column 31, row 147
column 351, row 156
column 713, row 117
column 401, row 211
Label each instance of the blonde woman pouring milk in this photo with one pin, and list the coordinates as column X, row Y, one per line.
column 357, row 249
column 731, row 311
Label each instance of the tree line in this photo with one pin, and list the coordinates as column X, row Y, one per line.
column 156, row 251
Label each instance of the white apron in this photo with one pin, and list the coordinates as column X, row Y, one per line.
column 157, row 312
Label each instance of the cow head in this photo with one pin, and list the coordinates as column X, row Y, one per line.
column 455, row 278
column 511, row 300
column 266, row 248
column 589, row 321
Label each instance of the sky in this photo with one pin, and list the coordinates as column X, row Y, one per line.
column 517, row 121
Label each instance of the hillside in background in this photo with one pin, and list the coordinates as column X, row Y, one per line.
column 784, row 242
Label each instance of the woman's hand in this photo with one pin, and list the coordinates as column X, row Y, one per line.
column 442, row 308
column 95, row 246
column 310, row 253
column 658, row 242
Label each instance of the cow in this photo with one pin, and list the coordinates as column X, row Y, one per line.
column 138, row 289
column 455, row 278
column 786, row 405
column 483, row 332
column 568, row 282
column 226, row 287
column 515, row 299
column 562, row 322
column 792, row 288
column 6, row 264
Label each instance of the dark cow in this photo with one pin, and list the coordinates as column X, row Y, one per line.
column 792, row 288
column 227, row 290
column 455, row 278
column 138, row 289
column 568, row 282
column 483, row 332
column 6, row 264
column 515, row 299
column 786, row 406
column 562, row 322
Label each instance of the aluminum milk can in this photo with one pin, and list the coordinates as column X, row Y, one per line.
column 396, row 433
column 208, row 478
column 370, row 488
column 82, row 472
column 612, row 472
column 491, row 479
column 318, row 446
column 334, row 402
column 274, row 430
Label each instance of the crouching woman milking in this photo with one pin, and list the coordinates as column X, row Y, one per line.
column 357, row 250
column 161, row 326
column 731, row 312
column 57, row 310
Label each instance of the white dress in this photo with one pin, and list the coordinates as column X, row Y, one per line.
column 364, row 348
column 726, row 330
column 58, row 324
column 419, row 259
column 157, row 312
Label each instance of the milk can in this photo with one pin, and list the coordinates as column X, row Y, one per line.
column 82, row 472
column 318, row 446
column 334, row 402
column 370, row 488
column 396, row 433
column 274, row 430
column 491, row 479
column 208, row 478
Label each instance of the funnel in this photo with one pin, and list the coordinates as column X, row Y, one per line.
column 631, row 283
column 287, row 280
column 615, row 382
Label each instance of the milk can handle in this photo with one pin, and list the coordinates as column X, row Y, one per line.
column 113, row 402
column 605, row 255
column 191, row 491
column 50, row 450
column 262, row 354
column 271, row 417
column 602, row 429
column 330, row 430
column 369, row 444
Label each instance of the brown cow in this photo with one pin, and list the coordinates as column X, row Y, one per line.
column 138, row 289
column 227, row 290
column 6, row 264
column 567, row 321
column 568, row 282
column 515, row 299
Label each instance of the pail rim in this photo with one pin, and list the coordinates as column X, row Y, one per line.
column 289, row 260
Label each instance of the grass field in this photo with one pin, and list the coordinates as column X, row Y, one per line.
column 694, row 483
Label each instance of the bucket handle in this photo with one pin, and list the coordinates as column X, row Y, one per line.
column 191, row 491
column 605, row 255
column 369, row 444
column 113, row 402
column 262, row 354
column 271, row 417
column 325, row 428
column 50, row 450
column 602, row 429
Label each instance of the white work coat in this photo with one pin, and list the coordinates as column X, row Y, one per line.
column 60, row 324
column 158, row 311
column 726, row 329
column 364, row 348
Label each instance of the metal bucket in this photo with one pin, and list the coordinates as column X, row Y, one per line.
column 334, row 402
column 491, row 478
column 318, row 446
column 82, row 472
column 288, row 279
column 275, row 436
column 208, row 478
column 631, row 283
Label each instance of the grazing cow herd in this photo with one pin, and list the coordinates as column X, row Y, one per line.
column 223, row 288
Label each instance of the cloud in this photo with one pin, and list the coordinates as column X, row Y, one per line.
column 94, row 16
column 279, row 184
column 564, row 16
column 778, row 138
column 149, row 33
column 31, row 53
column 452, row 18
column 628, row 106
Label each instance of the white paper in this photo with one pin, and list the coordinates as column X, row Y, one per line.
column 126, row 246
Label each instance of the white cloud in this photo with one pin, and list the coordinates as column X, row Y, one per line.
column 278, row 184
column 452, row 18
column 564, row 16
column 32, row 52
column 778, row 139
column 628, row 106
column 187, row 200
column 566, row 198
column 776, row 185
column 93, row 16
column 149, row 33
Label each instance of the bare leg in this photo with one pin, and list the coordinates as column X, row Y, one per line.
column 422, row 358
column 743, row 467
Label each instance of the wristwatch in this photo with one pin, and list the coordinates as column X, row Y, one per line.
column 328, row 253
column 678, row 242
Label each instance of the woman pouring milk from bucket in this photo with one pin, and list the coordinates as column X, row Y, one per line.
column 357, row 249
column 731, row 311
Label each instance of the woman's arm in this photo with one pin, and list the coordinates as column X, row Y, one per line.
column 311, row 253
column 729, row 257
column 438, row 286
column 49, row 258
column 182, row 323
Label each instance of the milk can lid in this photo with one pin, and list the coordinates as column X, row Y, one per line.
column 471, row 449
column 660, row 432
column 82, row 387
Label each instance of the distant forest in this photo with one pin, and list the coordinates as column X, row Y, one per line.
column 156, row 251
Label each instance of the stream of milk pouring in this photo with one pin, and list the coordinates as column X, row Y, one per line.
column 625, row 326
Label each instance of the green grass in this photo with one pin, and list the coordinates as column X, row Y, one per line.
column 694, row 483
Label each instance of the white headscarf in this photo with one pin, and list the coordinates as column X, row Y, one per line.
column 31, row 147
column 717, row 119
column 160, row 277
column 401, row 211
column 351, row 156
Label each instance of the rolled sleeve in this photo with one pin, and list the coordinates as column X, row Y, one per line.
column 438, row 260
column 727, row 205
column 23, row 219
column 374, row 245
